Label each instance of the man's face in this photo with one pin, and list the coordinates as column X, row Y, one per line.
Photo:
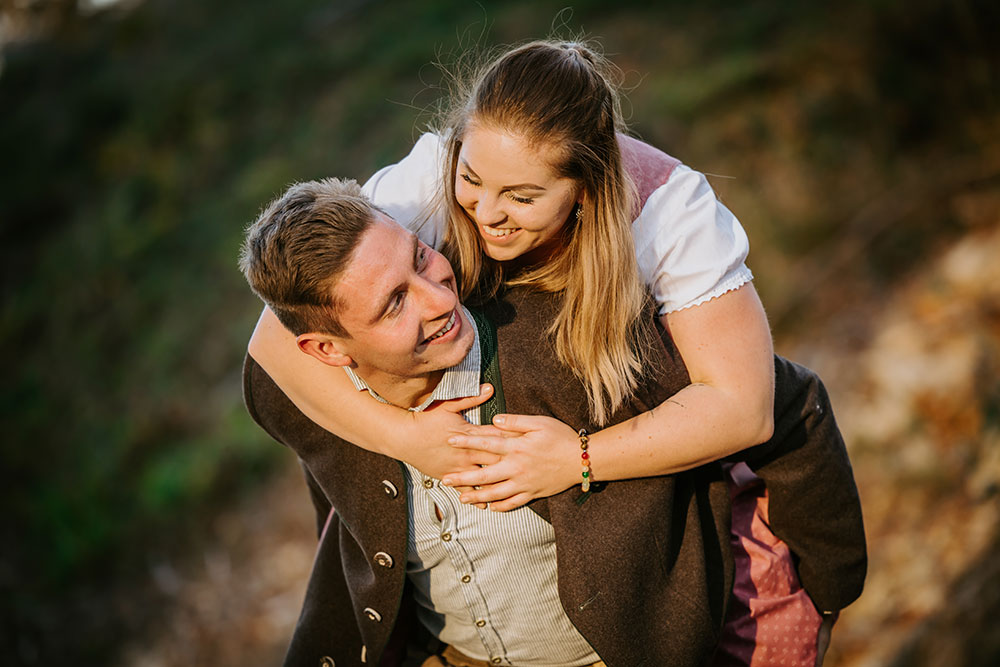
column 399, row 302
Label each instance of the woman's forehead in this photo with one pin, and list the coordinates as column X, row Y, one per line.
column 504, row 154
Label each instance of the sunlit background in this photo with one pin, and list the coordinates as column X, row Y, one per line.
column 148, row 522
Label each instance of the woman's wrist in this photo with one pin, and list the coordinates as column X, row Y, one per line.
column 585, row 468
column 600, row 445
column 402, row 430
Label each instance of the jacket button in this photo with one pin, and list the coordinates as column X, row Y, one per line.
column 383, row 559
column 373, row 615
column 389, row 488
column 327, row 661
column 428, row 483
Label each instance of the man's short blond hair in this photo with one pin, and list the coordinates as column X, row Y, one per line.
column 297, row 249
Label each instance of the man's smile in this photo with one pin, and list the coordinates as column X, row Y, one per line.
column 445, row 329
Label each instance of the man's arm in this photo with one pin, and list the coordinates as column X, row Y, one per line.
column 259, row 414
column 320, row 502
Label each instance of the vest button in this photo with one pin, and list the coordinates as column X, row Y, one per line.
column 373, row 615
column 446, row 537
column 428, row 483
column 327, row 661
column 383, row 559
column 389, row 488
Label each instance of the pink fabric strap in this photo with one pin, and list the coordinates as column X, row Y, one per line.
column 648, row 167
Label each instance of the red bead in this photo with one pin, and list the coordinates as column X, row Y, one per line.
column 585, row 455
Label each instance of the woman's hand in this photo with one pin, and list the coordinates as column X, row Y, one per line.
column 537, row 457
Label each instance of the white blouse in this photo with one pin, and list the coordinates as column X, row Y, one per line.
column 689, row 246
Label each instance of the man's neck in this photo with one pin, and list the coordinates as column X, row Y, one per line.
column 402, row 392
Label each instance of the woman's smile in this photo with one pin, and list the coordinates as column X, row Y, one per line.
column 498, row 234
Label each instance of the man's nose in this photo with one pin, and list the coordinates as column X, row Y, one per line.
column 438, row 298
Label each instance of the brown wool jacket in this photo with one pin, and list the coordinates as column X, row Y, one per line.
column 644, row 567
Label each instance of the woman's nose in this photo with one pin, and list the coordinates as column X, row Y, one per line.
column 488, row 211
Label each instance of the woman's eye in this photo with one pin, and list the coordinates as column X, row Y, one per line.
column 468, row 179
column 421, row 258
column 521, row 200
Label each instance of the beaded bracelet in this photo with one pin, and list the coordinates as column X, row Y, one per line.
column 585, row 458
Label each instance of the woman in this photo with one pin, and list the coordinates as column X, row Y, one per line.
column 537, row 193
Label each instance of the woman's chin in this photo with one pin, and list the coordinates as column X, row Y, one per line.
column 500, row 254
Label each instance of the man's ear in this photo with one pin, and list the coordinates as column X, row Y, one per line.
column 325, row 348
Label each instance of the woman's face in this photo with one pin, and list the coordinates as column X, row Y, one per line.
column 512, row 194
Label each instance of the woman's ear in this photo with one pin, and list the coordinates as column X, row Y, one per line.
column 324, row 347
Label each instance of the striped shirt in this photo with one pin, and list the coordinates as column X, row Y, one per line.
column 484, row 582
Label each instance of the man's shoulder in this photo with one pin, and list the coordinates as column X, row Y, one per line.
column 271, row 409
column 261, row 395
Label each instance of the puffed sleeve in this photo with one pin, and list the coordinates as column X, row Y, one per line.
column 690, row 247
column 409, row 190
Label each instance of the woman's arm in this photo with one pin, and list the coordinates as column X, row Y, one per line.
column 729, row 405
column 325, row 395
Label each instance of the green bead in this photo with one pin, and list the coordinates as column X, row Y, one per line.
column 586, row 474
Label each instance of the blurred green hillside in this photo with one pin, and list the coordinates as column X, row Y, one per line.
column 138, row 141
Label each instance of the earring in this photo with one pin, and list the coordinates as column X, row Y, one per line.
column 579, row 212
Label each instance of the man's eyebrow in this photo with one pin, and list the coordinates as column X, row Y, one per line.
column 518, row 186
column 383, row 307
column 416, row 251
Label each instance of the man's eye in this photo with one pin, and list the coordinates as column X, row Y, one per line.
column 397, row 303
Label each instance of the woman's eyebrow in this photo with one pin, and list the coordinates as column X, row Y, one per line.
column 519, row 186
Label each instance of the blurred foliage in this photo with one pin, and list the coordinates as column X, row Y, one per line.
column 139, row 141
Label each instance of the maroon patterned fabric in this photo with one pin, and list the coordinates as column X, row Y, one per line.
column 771, row 620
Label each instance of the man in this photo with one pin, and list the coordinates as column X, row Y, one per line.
column 644, row 569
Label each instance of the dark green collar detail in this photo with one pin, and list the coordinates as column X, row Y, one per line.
column 489, row 366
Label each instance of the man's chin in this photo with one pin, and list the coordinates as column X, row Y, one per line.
column 459, row 348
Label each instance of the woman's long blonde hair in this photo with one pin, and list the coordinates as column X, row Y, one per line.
column 562, row 94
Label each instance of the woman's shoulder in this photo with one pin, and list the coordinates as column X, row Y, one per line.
column 689, row 245
column 408, row 190
column 421, row 162
column 647, row 166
